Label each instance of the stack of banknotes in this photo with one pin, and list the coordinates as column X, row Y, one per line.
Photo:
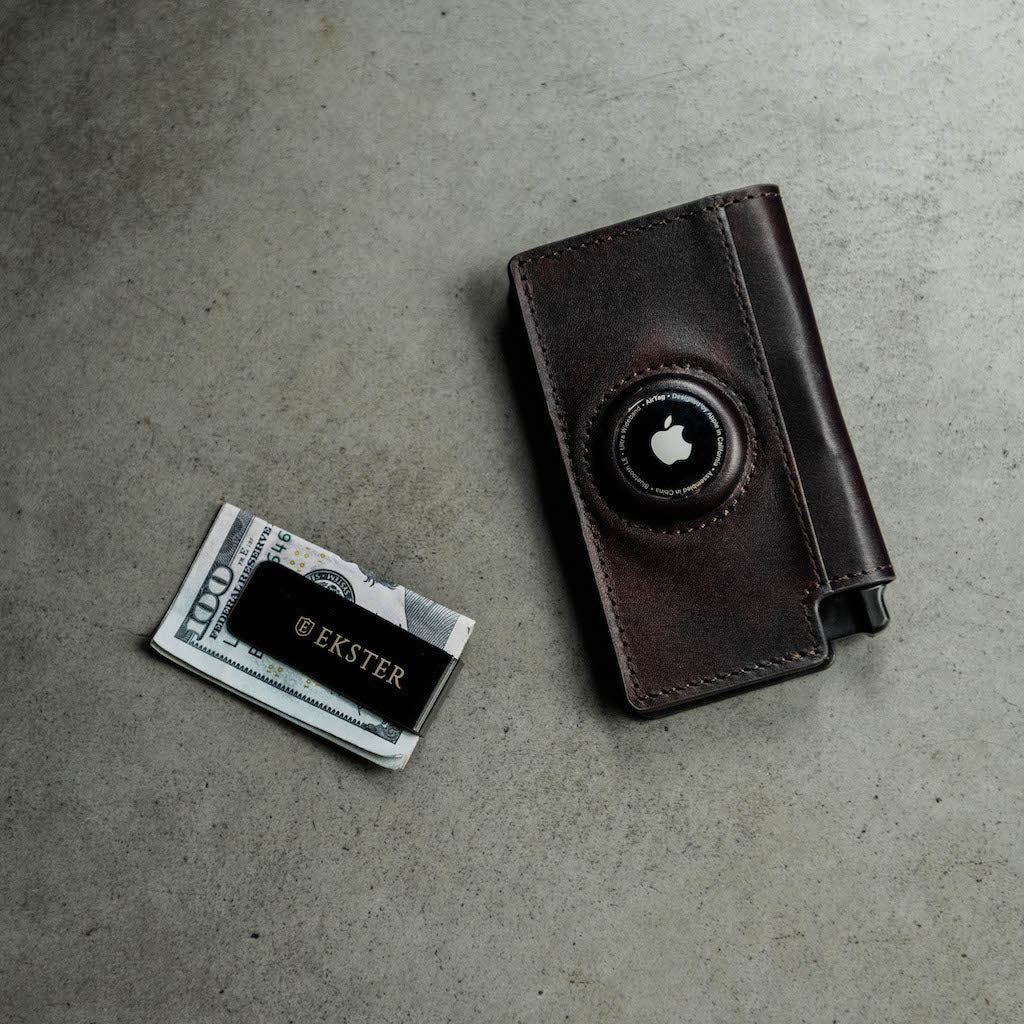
column 194, row 633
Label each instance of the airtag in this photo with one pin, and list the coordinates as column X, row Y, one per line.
column 671, row 448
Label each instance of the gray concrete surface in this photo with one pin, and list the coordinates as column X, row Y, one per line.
column 257, row 252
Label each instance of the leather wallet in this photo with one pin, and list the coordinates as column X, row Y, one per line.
column 727, row 524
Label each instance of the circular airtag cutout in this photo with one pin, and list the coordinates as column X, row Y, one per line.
column 669, row 444
column 671, row 448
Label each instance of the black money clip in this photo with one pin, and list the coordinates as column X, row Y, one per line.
column 340, row 645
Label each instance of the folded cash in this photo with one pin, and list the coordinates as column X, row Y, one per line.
column 194, row 631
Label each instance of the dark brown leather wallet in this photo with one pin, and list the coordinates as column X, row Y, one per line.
column 727, row 524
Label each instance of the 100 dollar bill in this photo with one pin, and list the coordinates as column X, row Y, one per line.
column 194, row 631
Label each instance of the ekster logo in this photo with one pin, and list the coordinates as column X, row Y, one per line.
column 355, row 654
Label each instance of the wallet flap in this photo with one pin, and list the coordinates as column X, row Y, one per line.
column 849, row 539
column 727, row 599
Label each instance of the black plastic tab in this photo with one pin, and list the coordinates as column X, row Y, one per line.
column 854, row 611
column 342, row 646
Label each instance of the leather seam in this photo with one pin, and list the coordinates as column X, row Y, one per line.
column 780, row 659
column 855, row 575
column 760, row 666
column 588, row 522
column 744, row 480
column 764, row 375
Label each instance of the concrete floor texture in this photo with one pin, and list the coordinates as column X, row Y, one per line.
column 257, row 252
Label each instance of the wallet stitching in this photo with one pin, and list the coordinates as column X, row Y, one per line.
column 609, row 589
column 863, row 572
column 757, row 666
column 744, row 480
column 645, row 227
column 786, row 452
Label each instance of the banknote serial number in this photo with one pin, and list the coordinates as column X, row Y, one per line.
column 279, row 548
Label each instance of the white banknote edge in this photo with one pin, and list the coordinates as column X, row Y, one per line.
column 246, row 683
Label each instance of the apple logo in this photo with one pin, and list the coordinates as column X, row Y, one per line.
column 669, row 445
